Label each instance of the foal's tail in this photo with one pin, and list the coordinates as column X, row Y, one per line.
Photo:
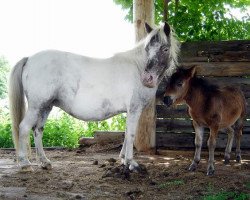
column 16, row 99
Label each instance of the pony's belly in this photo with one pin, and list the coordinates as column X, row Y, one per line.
column 92, row 112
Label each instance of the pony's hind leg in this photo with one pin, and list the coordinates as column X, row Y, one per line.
column 25, row 126
column 38, row 134
column 198, row 144
column 238, row 135
column 230, row 137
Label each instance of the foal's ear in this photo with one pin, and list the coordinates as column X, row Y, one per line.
column 167, row 29
column 148, row 28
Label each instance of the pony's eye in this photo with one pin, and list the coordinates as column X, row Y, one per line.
column 165, row 48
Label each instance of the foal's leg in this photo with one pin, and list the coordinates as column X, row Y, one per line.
column 211, row 143
column 198, row 144
column 38, row 134
column 132, row 122
column 230, row 138
column 25, row 126
column 238, row 135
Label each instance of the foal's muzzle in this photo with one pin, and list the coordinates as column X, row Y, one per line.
column 167, row 101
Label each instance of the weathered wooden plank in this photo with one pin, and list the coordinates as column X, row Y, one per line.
column 105, row 137
column 173, row 124
column 181, row 111
column 220, row 68
column 204, row 48
column 181, row 124
column 186, row 140
column 227, row 56
column 164, row 112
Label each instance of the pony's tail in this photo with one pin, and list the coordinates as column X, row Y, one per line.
column 16, row 100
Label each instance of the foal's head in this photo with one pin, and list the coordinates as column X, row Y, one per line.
column 178, row 86
column 161, row 50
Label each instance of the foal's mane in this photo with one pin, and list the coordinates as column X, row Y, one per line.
column 205, row 86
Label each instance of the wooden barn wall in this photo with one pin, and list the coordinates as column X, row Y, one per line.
column 225, row 62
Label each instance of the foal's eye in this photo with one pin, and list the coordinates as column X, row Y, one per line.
column 179, row 84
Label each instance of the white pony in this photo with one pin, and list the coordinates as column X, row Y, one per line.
column 89, row 89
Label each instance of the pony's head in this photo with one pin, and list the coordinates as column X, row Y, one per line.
column 161, row 52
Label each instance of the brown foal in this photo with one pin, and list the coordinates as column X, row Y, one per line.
column 209, row 105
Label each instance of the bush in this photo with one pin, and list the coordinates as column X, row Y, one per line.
column 63, row 131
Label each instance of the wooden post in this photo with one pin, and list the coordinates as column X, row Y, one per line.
column 145, row 137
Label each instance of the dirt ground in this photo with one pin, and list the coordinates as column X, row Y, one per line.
column 80, row 174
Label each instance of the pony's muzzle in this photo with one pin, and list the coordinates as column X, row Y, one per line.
column 149, row 79
column 167, row 101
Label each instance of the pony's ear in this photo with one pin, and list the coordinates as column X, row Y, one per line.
column 167, row 29
column 148, row 28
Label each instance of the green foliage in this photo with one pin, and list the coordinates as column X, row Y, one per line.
column 171, row 183
column 63, row 131
column 224, row 195
column 227, row 195
column 200, row 20
column 4, row 69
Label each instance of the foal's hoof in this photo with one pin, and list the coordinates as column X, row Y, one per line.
column 238, row 159
column 46, row 166
column 226, row 161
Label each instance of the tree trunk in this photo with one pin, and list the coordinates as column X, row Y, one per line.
column 145, row 137
column 165, row 10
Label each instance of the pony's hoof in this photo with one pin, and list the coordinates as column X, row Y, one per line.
column 125, row 172
column 226, row 161
column 46, row 166
column 140, row 169
column 26, row 168
column 133, row 165
column 192, row 167
column 238, row 159
column 210, row 172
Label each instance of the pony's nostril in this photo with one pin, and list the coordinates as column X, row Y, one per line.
column 150, row 78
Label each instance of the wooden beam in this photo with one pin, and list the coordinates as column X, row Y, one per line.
column 145, row 137
column 186, row 140
column 207, row 48
column 219, row 69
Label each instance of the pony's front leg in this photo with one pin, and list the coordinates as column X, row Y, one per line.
column 198, row 144
column 211, row 143
column 122, row 153
column 132, row 122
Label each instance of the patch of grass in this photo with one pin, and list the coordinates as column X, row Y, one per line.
column 225, row 195
column 247, row 185
column 171, row 183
